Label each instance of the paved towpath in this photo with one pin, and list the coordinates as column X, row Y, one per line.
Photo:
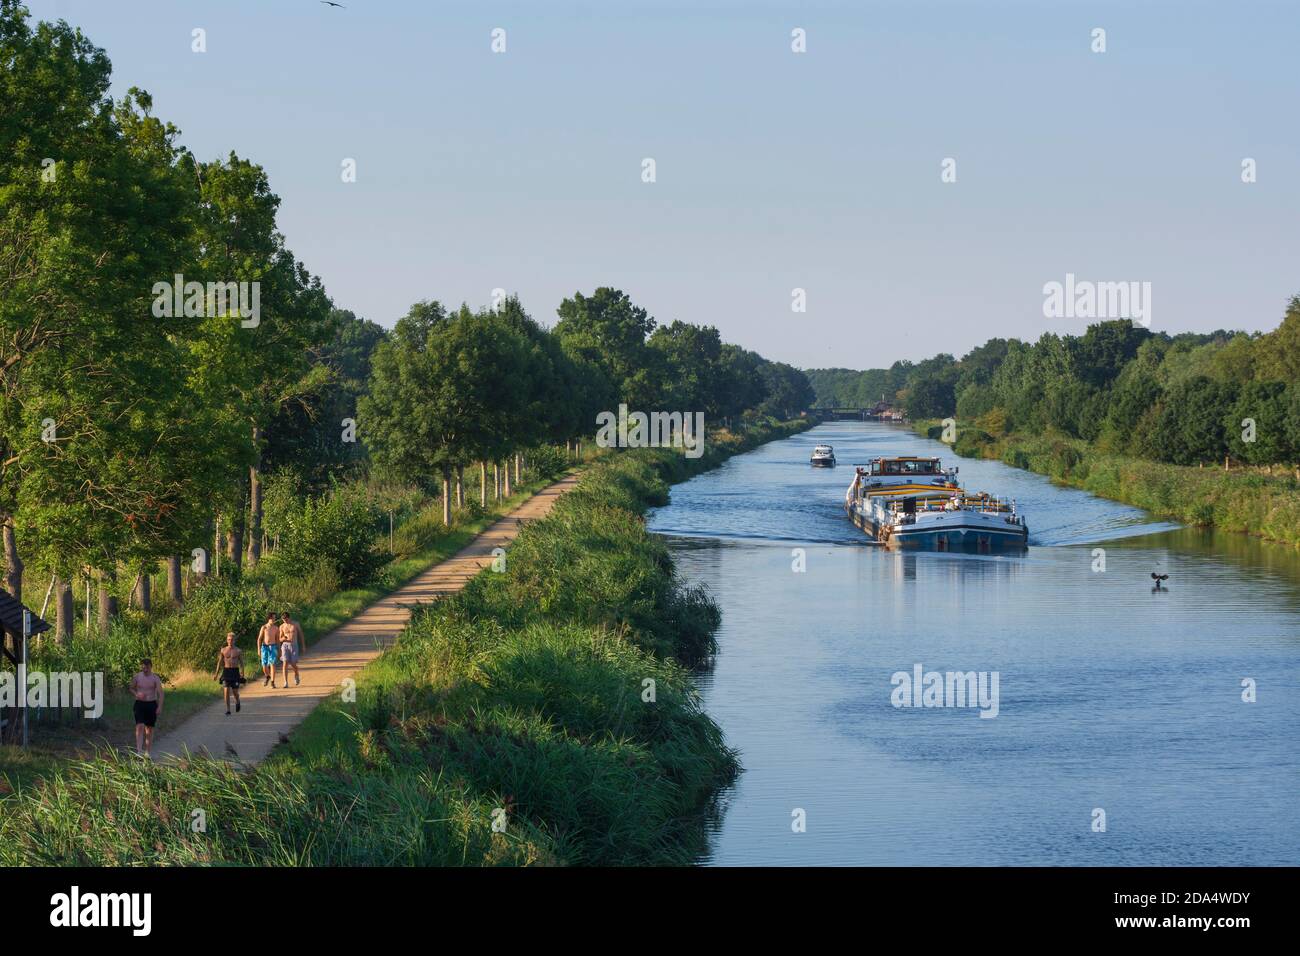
column 269, row 714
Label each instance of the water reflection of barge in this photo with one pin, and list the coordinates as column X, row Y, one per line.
column 915, row 504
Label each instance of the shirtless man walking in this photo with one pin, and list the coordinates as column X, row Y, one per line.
column 268, row 643
column 146, row 687
column 230, row 670
column 290, row 648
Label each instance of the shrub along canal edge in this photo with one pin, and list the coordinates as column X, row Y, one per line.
column 545, row 715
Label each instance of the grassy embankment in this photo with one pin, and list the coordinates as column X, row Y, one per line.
column 553, row 699
column 183, row 644
column 1244, row 500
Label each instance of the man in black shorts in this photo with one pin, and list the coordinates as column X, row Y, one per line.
column 230, row 670
column 146, row 687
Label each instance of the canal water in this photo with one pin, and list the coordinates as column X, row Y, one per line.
column 1112, row 698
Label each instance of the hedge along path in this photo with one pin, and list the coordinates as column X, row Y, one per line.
column 269, row 714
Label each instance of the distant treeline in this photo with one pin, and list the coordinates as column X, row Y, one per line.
column 1184, row 399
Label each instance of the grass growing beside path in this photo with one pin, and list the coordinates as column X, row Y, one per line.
column 421, row 543
column 1243, row 500
column 543, row 715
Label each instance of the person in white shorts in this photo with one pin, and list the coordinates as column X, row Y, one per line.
column 290, row 635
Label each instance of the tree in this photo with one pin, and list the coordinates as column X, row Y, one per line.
column 1104, row 349
column 692, row 355
column 1260, row 414
column 1277, row 354
column 1191, row 425
column 270, row 360
column 608, row 330
column 742, row 384
column 86, row 371
column 443, row 388
column 788, row 390
column 1135, row 393
column 306, row 433
column 930, row 396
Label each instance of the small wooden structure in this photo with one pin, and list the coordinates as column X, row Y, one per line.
column 11, row 653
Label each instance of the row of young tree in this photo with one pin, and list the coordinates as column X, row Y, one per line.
column 144, row 398
column 454, row 388
column 1184, row 399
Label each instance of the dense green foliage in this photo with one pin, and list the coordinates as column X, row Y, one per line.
column 1183, row 399
column 173, row 380
column 630, row 358
column 335, row 531
column 565, row 721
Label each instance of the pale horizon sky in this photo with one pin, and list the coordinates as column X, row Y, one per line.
column 776, row 170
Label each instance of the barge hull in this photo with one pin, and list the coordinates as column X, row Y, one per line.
column 958, row 540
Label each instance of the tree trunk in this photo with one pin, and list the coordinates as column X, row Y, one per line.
column 107, row 600
column 174, row 581
column 482, row 484
column 255, row 501
column 519, row 463
column 496, row 482
column 235, row 542
column 64, row 611
column 144, row 592
column 446, row 497
column 13, row 563
column 460, row 486
column 505, row 484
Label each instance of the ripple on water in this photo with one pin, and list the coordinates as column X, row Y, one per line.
column 1110, row 695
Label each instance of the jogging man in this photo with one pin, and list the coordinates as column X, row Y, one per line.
column 268, row 642
column 290, row 648
column 146, row 687
column 230, row 670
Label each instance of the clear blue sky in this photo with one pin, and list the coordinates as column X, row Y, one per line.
column 775, row 170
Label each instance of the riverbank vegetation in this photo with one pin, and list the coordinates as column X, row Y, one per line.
column 1203, row 428
column 544, row 715
column 1247, row 500
column 185, row 412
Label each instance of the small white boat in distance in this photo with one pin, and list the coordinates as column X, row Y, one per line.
column 823, row 456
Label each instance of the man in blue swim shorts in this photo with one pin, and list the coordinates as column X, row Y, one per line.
column 268, row 643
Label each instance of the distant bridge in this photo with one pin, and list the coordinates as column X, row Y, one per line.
column 875, row 413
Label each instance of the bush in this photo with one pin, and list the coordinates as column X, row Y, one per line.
column 1067, row 461
column 971, row 442
column 336, row 531
column 1016, row 458
column 188, row 639
column 546, row 462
